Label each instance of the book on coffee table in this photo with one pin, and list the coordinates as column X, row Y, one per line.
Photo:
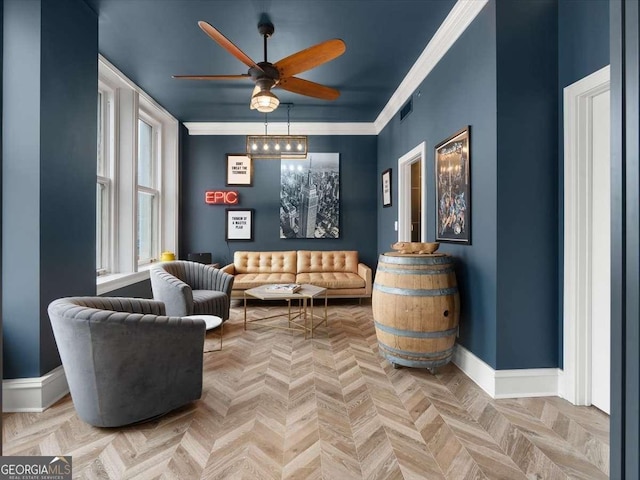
column 284, row 287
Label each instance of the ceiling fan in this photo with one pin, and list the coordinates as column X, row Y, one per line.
column 268, row 75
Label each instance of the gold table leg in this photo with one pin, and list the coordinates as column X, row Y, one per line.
column 221, row 334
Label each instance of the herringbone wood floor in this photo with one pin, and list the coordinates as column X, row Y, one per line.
column 276, row 406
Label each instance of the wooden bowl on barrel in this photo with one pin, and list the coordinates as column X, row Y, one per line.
column 416, row 248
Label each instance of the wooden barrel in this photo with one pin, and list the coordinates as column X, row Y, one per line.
column 416, row 309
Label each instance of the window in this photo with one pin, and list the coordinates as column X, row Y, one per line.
column 137, row 181
column 104, row 182
column 148, row 194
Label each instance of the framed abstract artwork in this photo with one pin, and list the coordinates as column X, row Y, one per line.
column 453, row 188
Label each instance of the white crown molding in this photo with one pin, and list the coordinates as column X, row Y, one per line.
column 119, row 79
column 279, row 128
column 459, row 18
column 520, row 383
column 34, row 394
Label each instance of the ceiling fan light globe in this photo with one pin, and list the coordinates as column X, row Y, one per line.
column 264, row 101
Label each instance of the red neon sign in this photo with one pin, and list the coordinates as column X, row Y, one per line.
column 221, row 197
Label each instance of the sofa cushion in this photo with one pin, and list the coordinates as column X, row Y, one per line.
column 334, row 280
column 327, row 261
column 243, row 281
column 265, row 262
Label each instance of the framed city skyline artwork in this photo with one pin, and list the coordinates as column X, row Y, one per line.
column 310, row 196
column 453, row 188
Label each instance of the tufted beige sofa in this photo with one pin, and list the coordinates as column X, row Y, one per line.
column 339, row 271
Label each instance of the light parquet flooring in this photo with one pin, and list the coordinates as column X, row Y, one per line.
column 277, row 406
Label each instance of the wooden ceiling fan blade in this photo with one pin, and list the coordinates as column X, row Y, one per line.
column 227, row 44
column 311, row 57
column 211, row 77
column 310, row 89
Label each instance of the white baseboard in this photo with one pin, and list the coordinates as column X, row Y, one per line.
column 520, row 383
column 34, row 394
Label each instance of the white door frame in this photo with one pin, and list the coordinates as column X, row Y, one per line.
column 404, row 192
column 575, row 383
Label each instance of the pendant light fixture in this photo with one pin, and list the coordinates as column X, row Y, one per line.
column 277, row 146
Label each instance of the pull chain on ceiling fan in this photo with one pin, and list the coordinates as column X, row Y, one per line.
column 281, row 74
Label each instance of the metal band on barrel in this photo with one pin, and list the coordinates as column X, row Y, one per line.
column 413, row 333
column 415, row 260
column 404, row 271
column 435, row 292
column 417, row 363
column 447, row 353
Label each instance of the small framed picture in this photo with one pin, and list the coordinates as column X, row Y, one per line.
column 239, row 224
column 239, row 170
column 387, row 192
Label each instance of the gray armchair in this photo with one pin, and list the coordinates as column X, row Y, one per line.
column 190, row 288
column 125, row 361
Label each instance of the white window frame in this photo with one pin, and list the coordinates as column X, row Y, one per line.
column 155, row 191
column 129, row 102
column 104, row 244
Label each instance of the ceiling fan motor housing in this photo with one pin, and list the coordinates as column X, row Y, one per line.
column 267, row 77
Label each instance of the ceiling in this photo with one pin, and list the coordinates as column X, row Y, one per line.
column 151, row 40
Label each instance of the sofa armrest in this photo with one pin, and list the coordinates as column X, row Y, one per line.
column 230, row 269
column 173, row 292
column 365, row 272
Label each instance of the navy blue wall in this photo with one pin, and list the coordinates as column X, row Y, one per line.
column 527, row 223
column 48, row 172
column 203, row 167
column 460, row 91
column 583, row 48
column 501, row 79
column 625, row 236
column 21, row 84
column 583, row 38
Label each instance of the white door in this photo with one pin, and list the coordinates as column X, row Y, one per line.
column 601, row 261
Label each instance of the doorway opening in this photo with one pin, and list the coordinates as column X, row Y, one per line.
column 412, row 217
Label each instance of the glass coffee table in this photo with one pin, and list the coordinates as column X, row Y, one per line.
column 304, row 319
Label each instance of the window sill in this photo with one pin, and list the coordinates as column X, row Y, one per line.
column 114, row 281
